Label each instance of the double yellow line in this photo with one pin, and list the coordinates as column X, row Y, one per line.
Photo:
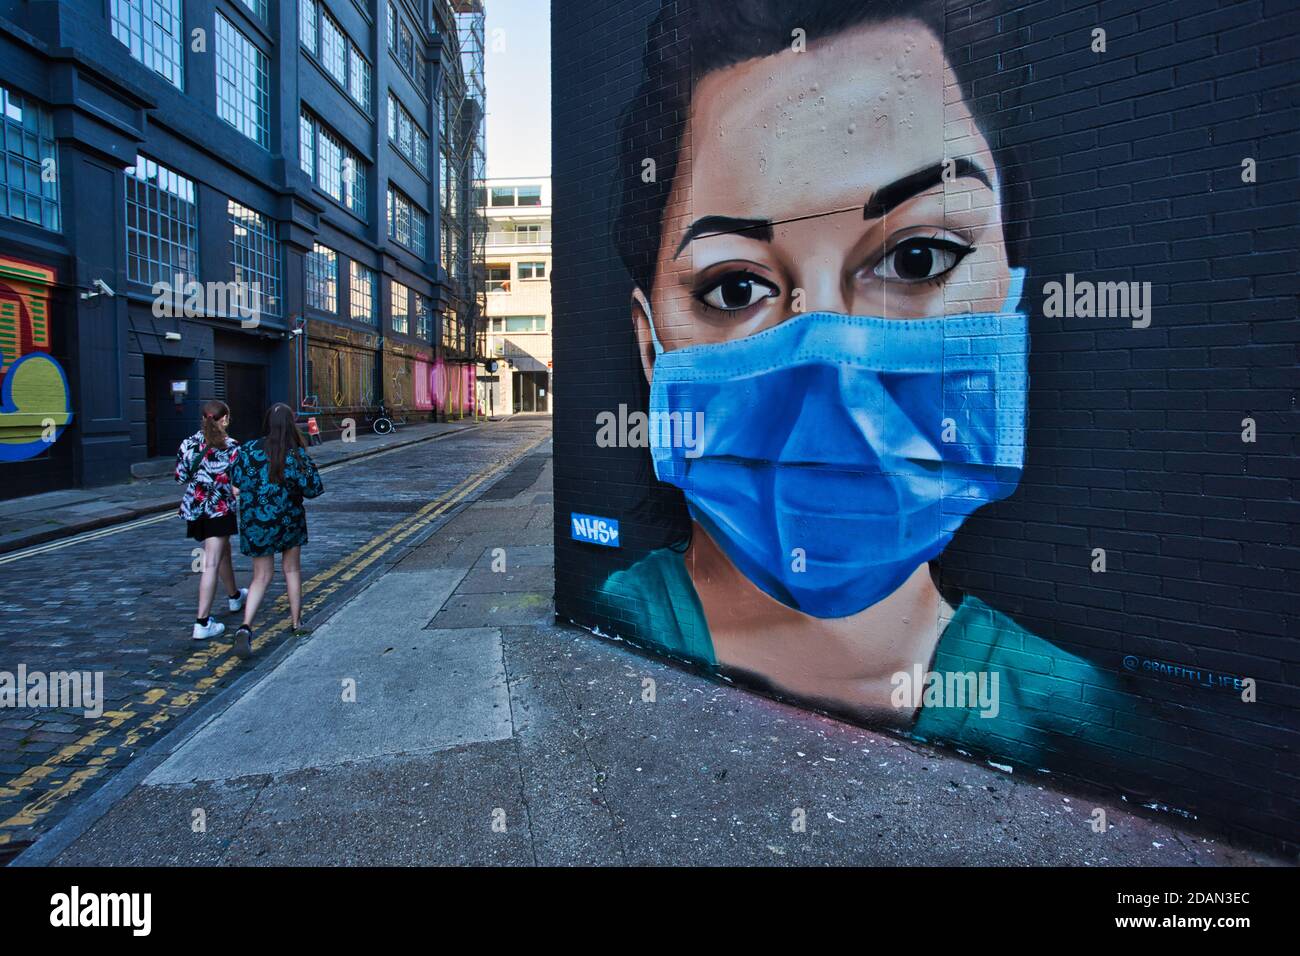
column 216, row 656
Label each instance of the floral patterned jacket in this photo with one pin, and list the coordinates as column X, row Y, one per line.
column 205, row 472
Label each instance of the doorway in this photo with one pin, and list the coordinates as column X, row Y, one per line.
column 530, row 391
column 167, row 424
column 243, row 388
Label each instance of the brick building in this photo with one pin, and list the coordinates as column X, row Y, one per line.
column 313, row 149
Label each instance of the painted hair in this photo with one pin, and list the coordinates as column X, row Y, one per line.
column 690, row 39
column 280, row 437
column 213, row 432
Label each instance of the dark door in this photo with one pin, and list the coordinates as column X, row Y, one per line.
column 167, row 424
column 245, row 393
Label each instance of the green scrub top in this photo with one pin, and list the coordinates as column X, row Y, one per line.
column 1053, row 707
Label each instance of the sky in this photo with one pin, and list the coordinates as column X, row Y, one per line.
column 518, row 68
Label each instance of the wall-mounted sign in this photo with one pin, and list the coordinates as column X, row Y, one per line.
column 595, row 530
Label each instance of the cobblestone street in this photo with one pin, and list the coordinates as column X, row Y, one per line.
column 122, row 603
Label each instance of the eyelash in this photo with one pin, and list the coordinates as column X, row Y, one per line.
column 959, row 250
column 701, row 291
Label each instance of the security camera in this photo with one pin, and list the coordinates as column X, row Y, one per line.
column 100, row 287
column 296, row 332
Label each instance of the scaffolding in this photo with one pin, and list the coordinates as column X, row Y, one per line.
column 464, row 159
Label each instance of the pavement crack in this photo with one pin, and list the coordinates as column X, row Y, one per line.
column 597, row 775
column 519, row 753
column 243, row 819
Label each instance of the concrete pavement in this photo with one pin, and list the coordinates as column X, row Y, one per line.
column 442, row 717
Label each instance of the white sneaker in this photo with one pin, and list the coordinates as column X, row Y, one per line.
column 212, row 629
column 237, row 604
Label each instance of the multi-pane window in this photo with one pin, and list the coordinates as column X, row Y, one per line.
column 257, row 6
column 406, row 51
column 333, row 48
column 243, row 94
column 516, row 196
column 519, row 323
column 342, row 59
column 255, row 254
column 321, row 271
column 162, row 224
column 363, row 294
column 405, row 48
column 307, row 144
column 29, row 188
column 152, row 30
column 532, row 270
column 406, row 134
column 307, row 23
column 401, row 307
column 340, row 173
column 407, row 223
column 498, row 278
column 423, row 317
column 359, row 78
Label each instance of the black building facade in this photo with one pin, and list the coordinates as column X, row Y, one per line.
column 240, row 199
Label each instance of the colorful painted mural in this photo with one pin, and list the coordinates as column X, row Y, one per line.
column 35, row 399
column 452, row 387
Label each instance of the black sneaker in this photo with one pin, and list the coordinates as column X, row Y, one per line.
column 244, row 642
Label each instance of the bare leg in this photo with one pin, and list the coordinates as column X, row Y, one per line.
column 227, row 570
column 212, row 551
column 263, row 570
column 291, row 565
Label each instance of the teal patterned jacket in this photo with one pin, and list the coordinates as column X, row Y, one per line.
column 272, row 518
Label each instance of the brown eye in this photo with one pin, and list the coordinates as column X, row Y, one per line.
column 736, row 291
column 921, row 258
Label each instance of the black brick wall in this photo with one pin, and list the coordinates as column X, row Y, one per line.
column 1131, row 165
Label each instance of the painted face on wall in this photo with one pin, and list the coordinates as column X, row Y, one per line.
column 784, row 154
column 829, row 305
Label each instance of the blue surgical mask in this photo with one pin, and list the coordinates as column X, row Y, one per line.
column 840, row 452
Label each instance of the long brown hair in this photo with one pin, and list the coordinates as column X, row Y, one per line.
column 213, row 433
column 280, row 436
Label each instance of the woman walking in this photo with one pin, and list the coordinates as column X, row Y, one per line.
column 208, row 507
column 274, row 474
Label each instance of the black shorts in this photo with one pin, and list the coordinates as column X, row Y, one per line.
column 202, row 528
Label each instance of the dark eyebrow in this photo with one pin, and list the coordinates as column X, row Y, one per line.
column 913, row 184
column 711, row 225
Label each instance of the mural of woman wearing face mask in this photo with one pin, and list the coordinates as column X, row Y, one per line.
column 823, row 281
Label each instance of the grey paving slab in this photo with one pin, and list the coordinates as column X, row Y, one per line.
column 415, row 690
column 488, row 581
column 495, row 610
column 519, row 556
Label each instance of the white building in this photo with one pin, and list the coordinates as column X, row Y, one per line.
column 518, row 263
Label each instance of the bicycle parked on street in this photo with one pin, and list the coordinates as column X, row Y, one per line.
column 381, row 422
